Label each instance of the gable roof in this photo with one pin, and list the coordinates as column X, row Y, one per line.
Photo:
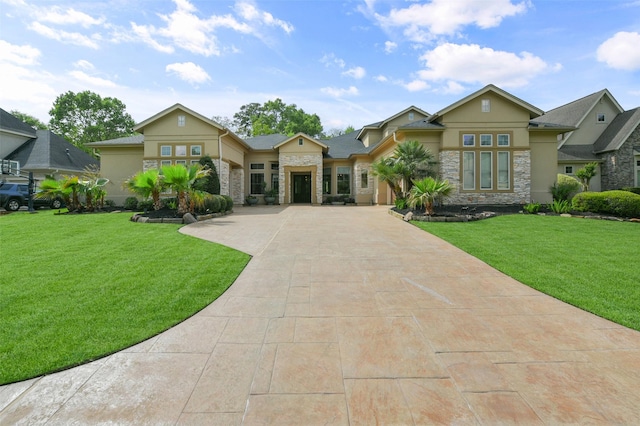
column 302, row 135
column 533, row 111
column 50, row 151
column 574, row 113
column 140, row 126
column 12, row 124
column 379, row 124
column 618, row 131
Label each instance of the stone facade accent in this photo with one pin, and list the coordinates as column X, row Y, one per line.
column 223, row 173
column 618, row 167
column 237, row 186
column 149, row 164
column 521, row 194
column 293, row 160
column 359, row 190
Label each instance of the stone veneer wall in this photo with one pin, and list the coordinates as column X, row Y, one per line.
column 149, row 164
column 237, row 185
column 618, row 168
column 359, row 190
column 450, row 170
column 222, row 168
column 293, row 160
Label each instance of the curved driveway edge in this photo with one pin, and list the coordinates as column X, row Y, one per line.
column 347, row 315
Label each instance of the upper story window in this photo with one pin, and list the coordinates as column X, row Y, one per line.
column 486, row 140
column 196, row 150
column 411, row 116
column 486, row 105
column 181, row 150
column 600, row 118
column 468, row 140
column 257, row 166
column 181, row 120
column 503, row 140
column 275, row 166
column 165, row 151
column 300, row 141
column 568, row 170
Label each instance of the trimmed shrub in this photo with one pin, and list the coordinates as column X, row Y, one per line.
column 229, row 205
column 131, row 203
column 145, row 205
column 618, row 203
column 213, row 204
column 630, row 189
column 565, row 187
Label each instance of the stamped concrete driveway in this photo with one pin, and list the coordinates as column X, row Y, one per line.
column 346, row 315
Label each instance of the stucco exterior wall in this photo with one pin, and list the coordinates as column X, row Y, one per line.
column 618, row 168
column 119, row 165
column 590, row 129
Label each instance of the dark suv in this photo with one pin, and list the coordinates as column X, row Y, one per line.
column 15, row 195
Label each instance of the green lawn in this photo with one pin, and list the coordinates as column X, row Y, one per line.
column 77, row 287
column 592, row 264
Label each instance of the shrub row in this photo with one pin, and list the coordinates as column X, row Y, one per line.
column 618, row 203
column 214, row 203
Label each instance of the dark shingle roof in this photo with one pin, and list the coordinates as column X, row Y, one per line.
column 127, row 140
column 50, row 151
column 618, row 131
column 10, row 123
column 345, row 145
column 266, row 141
column 576, row 153
column 570, row 114
column 424, row 124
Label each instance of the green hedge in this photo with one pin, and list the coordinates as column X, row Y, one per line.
column 618, row 203
column 631, row 189
column 229, row 205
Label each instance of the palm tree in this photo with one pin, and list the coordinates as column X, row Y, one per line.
column 92, row 187
column 390, row 172
column 425, row 191
column 148, row 183
column 416, row 161
column 180, row 179
column 67, row 188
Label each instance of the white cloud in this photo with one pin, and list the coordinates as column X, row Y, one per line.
column 381, row 78
column 83, row 64
column 453, row 88
column 331, row 59
column 250, row 12
column 622, row 51
column 470, row 63
column 421, row 22
column 339, row 93
column 64, row 36
column 185, row 29
column 356, row 72
column 71, row 16
column 390, row 46
column 19, row 55
column 189, row 72
column 91, row 80
column 416, row 86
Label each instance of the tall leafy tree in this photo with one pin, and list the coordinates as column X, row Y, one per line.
column 87, row 117
column 586, row 173
column 211, row 182
column 276, row 117
column 29, row 119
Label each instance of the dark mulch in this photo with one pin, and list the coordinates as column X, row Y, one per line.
column 455, row 209
column 160, row 214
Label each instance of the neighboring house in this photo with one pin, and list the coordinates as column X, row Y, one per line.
column 487, row 145
column 604, row 133
column 24, row 149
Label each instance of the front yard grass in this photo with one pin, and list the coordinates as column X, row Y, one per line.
column 591, row 264
column 77, row 287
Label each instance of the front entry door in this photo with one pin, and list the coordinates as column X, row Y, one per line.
column 301, row 188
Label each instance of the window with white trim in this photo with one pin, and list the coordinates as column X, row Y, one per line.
column 257, row 183
column 600, row 118
column 300, row 141
column 181, row 150
column 504, row 170
column 196, row 150
column 181, row 120
column 568, row 170
column 165, row 151
column 503, row 139
column 275, row 182
column 486, row 167
column 364, row 179
column 326, row 180
column 181, row 162
column 486, row 140
column 468, row 140
column 468, row 170
column 164, row 163
column 486, row 105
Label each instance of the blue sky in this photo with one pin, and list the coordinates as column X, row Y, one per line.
column 351, row 62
